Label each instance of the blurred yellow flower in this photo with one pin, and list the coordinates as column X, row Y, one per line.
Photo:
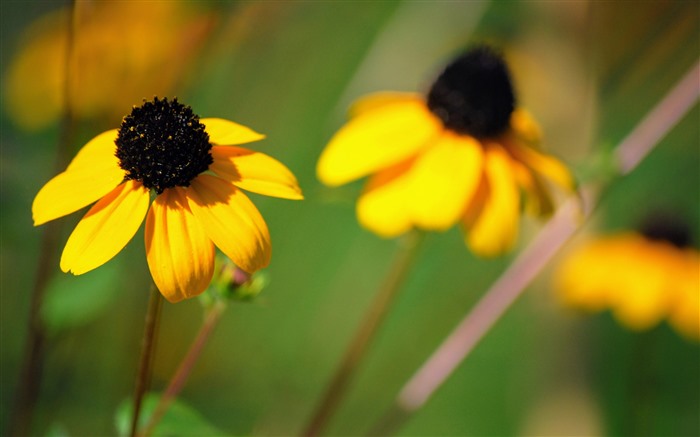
column 460, row 156
column 195, row 171
column 641, row 280
column 121, row 51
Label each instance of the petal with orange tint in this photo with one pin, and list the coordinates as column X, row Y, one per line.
column 106, row 228
column 180, row 255
column 525, row 127
column 254, row 171
column 93, row 173
column 495, row 228
column 546, row 165
column 377, row 139
column 384, row 205
column 224, row 132
column 538, row 201
column 231, row 221
column 377, row 100
column 445, row 178
column 683, row 283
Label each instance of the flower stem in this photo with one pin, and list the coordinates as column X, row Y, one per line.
column 510, row 285
column 143, row 376
column 178, row 380
column 338, row 386
column 29, row 385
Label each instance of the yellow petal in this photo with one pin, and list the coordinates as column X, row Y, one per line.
column 254, row 171
column 376, row 100
column 93, row 173
column 582, row 279
column 180, row 255
column 546, row 165
column 495, row 228
column 445, row 178
column 224, row 132
column 525, row 127
column 106, row 228
column 384, row 206
column 538, row 201
column 231, row 221
column 377, row 139
column 685, row 279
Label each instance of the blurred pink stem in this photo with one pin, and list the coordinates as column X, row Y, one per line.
column 513, row 281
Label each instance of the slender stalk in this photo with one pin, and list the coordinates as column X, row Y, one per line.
column 180, row 377
column 357, row 350
column 458, row 345
column 29, row 386
column 143, row 376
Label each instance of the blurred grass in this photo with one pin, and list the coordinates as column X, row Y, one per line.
column 289, row 69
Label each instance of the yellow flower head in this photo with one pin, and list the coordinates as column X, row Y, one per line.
column 641, row 278
column 119, row 51
column 195, row 170
column 460, row 156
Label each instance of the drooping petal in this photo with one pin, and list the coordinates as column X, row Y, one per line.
column 538, row 201
column 525, row 127
column 93, row 173
column 546, row 165
column 384, row 205
column 231, row 221
column 377, row 139
column 106, row 228
column 376, row 100
column 225, row 133
column 445, row 177
column 180, row 255
column 495, row 228
column 254, row 171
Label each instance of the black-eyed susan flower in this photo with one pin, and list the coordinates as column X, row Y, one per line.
column 194, row 171
column 643, row 278
column 463, row 154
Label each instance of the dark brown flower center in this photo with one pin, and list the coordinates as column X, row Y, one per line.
column 163, row 144
column 474, row 95
column 665, row 227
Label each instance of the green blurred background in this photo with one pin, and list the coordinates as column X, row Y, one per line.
column 588, row 71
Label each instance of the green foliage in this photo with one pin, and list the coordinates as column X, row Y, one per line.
column 179, row 420
column 75, row 301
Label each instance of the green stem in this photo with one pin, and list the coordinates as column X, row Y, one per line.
column 143, row 377
column 178, row 380
column 29, row 385
column 357, row 350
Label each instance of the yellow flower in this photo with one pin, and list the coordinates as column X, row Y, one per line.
column 121, row 50
column 195, row 171
column 641, row 280
column 462, row 155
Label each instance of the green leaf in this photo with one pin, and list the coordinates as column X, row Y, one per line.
column 74, row 301
column 179, row 420
column 57, row 430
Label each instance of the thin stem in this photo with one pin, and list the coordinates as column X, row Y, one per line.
column 180, row 377
column 358, row 348
column 457, row 346
column 31, row 371
column 143, row 376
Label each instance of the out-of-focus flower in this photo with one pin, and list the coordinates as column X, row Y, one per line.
column 461, row 155
column 121, row 51
column 195, row 172
column 642, row 278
